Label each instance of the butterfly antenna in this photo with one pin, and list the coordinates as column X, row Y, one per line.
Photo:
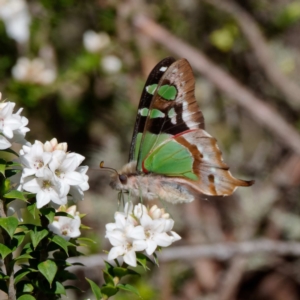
column 107, row 168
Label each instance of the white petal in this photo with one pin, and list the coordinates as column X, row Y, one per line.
column 137, row 233
column 139, row 245
column 32, row 186
column 130, row 258
column 115, row 252
column 42, row 199
column 175, row 237
column 151, row 246
column 162, row 239
column 4, row 143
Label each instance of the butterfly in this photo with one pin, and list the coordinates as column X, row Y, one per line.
column 171, row 156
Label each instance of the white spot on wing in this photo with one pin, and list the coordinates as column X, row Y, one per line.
column 163, row 69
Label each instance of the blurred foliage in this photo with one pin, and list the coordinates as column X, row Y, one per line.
column 92, row 107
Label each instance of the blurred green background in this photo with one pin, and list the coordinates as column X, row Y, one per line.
column 78, row 69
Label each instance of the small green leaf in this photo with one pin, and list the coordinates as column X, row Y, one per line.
column 128, row 288
column 17, row 240
column 95, row 289
column 4, row 186
column 20, row 274
column 109, row 290
column 48, row 212
column 108, row 278
column 23, row 256
column 59, row 288
column 32, row 209
column 10, row 151
column 121, row 272
column 142, row 259
column 26, row 297
column 2, row 166
column 14, row 194
column 27, row 288
column 9, row 224
column 58, row 240
column 37, row 235
column 4, row 251
column 48, row 268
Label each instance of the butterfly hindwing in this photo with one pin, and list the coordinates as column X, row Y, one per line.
column 145, row 102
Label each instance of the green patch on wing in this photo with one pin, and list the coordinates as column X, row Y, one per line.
column 151, row 88
column 171, row 159
column 144, row 112
column 149, row 142
column 168, row 92
column 156, row 113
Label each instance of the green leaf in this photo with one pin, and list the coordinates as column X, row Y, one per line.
column 37, row 235
column 95, row 289
column 20, row 274
column 4, row 251
column 23, row 256
column 108, row 278
column 26, row 297
column 17, row 240
column 58, row 240
column 14, row 194
column 59, row 288
column 32, row 209
column 48, row 212
column 9, row 224
column 109, row 290
column 142, row 259
column 128, row 288
column 2, row 166
column 48, row 268
column 4, row 186
column 27, row 288
column 11, row 172
column 10, row 151
column 121, row 272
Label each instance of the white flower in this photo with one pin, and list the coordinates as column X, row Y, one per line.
column 126, row 242
column 46, row 189
column 155, row 231
column 95, row 42
column 64, row 165
column 16, row 18
column 33, row 71
column 111, row 64
column 66, row 227
column 12, row 126
column 34, row 159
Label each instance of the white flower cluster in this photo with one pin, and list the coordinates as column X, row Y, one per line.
column 139, row 229
column 66, row 227
column 33, row 71
column 52, row 173
column 12, row 126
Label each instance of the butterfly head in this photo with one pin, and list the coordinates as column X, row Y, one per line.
column 120, row 180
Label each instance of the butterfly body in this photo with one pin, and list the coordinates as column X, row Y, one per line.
column 172, row 157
